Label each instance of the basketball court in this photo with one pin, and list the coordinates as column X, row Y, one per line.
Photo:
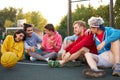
column 39, row 70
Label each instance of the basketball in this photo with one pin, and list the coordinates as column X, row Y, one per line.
column 8, row 60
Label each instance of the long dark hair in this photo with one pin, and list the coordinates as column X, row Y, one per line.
column 20, row 31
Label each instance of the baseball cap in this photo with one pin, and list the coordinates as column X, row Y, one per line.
column 95, row 21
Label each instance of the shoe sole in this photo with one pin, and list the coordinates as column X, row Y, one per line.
column 88, row 73
column 116, row 74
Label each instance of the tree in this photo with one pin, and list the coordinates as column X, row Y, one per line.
column 7, row 14
column 36, row 19
column 103, row 11
column 20, row 14
column 8, row 23
column 117, row 14
column 84, row 13
column 28, row 17
column 62, row 28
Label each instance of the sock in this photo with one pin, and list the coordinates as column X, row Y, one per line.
column 47, row 59
column 61, row 62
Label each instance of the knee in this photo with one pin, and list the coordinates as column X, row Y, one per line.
column 84, row 50
column 71, row 58
column 69, row 42
column 54, row 54
column 115, row 46
column 117, row 42
column 87, row 54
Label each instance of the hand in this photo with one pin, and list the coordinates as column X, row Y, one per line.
column 42, row 48
column 88, row 31
column 51, row 42
column 67, row 56
column 33, row 49
column 63, row 54
column 27, row 51
column 101, row 45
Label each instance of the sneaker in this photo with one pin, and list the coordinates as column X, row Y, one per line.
column 32, row 59
column 47, row 59
column 89, row 73
column 53, row 64
column 116, row 71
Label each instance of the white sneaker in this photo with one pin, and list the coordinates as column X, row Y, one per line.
column 32, row 59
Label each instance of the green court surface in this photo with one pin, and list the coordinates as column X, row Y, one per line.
column 38, row 70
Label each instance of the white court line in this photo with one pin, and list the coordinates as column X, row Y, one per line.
column 31, row 63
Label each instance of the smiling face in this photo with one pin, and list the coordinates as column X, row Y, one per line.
column 48, row 32
column 19, row 37
column 77, row 29
column 94, row 29
column 29, row 31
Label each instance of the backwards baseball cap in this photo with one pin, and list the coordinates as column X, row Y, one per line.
column 95, row 21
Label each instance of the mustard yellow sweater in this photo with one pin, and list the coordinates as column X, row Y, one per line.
column 9, row 45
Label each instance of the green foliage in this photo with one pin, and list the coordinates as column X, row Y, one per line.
column 7, row 14
column 62, row 28
column 8, row 23
column 84, row 13
column 103, row 11
column 36, row 19
column 33, row 17
column 9, row 17
column 117, row 14
column 20, row 14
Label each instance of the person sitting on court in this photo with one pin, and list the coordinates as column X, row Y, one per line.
column 69, row 40
column 14, row 43
column 108, row 45
column 31, row 42
column 51, row 44
column 84, row 43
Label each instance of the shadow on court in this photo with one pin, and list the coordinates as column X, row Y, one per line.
column 39, row 70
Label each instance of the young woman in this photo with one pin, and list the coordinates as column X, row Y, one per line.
column 14, row 43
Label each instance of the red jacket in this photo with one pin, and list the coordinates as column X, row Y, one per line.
column 83, row 41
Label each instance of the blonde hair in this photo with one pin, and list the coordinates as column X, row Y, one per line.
column 80, row 22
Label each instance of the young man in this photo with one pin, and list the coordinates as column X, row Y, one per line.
column 51, row 44
column 81, row 45
column 108, row 45
column 14, row 43
column 31, row 42
column 69, row 40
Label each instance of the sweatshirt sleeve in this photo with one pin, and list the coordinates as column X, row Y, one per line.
column 43, row 41
column 113, row 35
column 72, row 44
column 26, row 45
column 38, row 39
column 86, row 41
column 59, row 43
column 4, row 45
column 21, row 51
